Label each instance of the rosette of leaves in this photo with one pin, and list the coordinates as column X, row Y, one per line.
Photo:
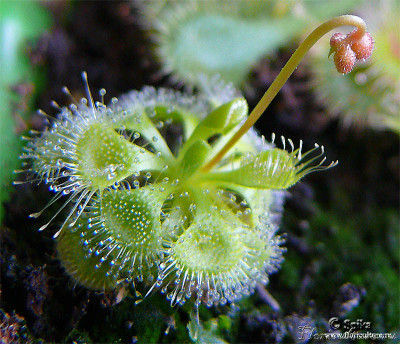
column 145, row 208
column 370, row 95
column 224, row 37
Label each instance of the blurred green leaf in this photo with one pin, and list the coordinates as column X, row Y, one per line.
column 19, row 22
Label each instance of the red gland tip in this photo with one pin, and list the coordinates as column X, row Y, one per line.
column 344, row 59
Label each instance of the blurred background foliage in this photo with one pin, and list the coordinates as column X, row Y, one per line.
column 228, row 37
column 21, row 79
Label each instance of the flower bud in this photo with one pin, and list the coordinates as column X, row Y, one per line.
column 350, row 48
column 344, row 59
column 337, row 40
column 363, row 47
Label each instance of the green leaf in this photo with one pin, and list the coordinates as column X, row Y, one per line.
column 78, row 263
column 209, row 246
column 18, row 24
column 272, row 169
column 221, row 120
column 137, row 120
column 105, row 157
column 133, row 216
column 207, row 40
column 118, row 237
column 174, row 114
column 225, row 117
column 194, row 158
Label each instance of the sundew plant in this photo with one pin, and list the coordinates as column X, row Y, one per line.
column 175, row 190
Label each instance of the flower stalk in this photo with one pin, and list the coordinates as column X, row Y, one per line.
column 286, row 72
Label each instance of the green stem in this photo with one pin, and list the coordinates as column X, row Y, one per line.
column 285, row 73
